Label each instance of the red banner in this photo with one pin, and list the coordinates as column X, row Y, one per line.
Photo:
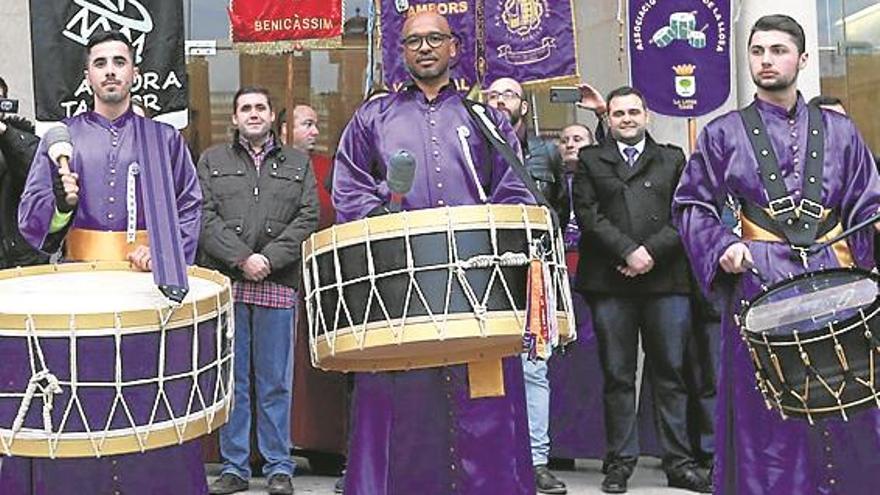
column 273, row 21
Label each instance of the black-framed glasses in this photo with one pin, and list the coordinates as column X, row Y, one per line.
column 434, row 40
column 506, row 95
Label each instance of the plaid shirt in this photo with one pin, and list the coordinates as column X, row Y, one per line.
column 267, row 294
column 258, row 158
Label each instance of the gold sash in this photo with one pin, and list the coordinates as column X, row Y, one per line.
column 97, row 245
column 751, row 231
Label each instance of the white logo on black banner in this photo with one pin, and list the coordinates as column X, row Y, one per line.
column 107, row 15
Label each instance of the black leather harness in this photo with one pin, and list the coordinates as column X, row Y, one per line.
column 800, row 223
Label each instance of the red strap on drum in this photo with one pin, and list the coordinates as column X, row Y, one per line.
column 536, row 335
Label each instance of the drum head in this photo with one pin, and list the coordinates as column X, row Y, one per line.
column 91, row 291
column 811, row 302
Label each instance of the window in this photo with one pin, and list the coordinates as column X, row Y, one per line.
column 849, row 59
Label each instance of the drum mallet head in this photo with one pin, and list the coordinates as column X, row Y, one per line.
column 58, row 143
column 60, row 149
column 401, row 172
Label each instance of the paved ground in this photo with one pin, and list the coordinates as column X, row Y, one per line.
column 647, row 480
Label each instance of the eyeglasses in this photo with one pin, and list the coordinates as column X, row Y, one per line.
column 434, row 40
column 507, row 95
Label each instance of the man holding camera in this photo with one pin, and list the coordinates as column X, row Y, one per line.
column 18, row 143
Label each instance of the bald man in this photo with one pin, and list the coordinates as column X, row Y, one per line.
column 544, row 164
column 419, row 431
column 304, row 133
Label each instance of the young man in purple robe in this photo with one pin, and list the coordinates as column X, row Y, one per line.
column 757, row 452
column 104, row 147
column 419, row 431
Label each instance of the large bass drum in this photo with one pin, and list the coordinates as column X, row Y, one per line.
column 430, row 287
column 97, row 362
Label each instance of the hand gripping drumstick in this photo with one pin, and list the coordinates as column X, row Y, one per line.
column 60, row 150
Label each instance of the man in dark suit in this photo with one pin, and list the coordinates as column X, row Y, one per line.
column 634, row 275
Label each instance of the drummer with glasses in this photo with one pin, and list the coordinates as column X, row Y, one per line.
column 420, row 431
column 793, row 172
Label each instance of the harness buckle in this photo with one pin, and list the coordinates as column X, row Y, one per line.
column 811, row 208
column 780, row 206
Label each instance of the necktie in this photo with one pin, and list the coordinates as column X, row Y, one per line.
column 630, row 153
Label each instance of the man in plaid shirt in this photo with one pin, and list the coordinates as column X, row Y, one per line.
column 260, row 204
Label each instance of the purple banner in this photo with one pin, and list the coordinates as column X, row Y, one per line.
column 530, row 40
column 461, row 15
column 680, row 54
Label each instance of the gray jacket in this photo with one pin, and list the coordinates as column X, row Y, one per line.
column 270, row 213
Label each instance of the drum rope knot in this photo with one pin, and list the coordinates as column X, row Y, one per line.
column 491, row 260
column 46, row 385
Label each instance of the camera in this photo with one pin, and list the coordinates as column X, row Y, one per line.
column 8, row 106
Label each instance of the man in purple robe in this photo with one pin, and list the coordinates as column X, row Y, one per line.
column 419, row 431
column 105, row 147
column 757, row 452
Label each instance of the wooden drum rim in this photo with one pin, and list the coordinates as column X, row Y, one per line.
column 130, row 321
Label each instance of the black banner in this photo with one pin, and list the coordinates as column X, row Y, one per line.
column 60, row 30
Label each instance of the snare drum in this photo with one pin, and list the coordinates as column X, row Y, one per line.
column 428, row 287
column 97, row 362
column 663, row 37
column 815, row 343
column 682, row 23
column 697, row 39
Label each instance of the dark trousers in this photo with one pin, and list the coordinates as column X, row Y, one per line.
column 664, row 323
column 702, row 374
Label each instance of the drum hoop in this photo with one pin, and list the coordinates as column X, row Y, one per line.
column 804, row 337
column 124, row 441
column 134, row 320
column 816, row 335
column 831, row 409
column 429, row 220
column 341, row 348
column 424, row 323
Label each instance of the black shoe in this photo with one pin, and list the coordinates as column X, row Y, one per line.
column 545, row 482
column 228, row 483
column 280, row 484
column 627, row 462
column 615, row 480
column 689, row 478
column 340, row 485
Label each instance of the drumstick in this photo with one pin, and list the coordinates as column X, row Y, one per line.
column 60, row 149
column 846, row 233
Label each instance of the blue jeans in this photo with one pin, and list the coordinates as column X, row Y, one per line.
column 264, row 337
column 538, row 404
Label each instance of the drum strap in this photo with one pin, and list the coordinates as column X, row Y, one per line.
column 160, row 208
column 480, row 116
column 486, row 377
column 798, row 222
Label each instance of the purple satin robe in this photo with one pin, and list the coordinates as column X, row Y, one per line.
column 103, row 151
column 418, row 431
column 757, row 452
